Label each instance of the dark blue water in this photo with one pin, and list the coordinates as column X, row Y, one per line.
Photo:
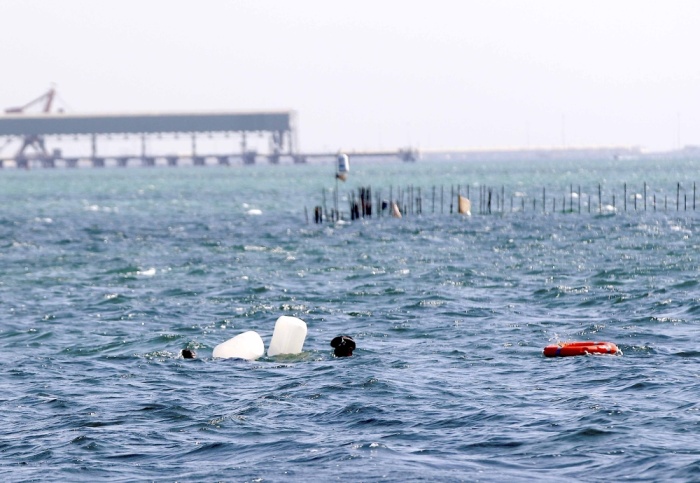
column 108, row 274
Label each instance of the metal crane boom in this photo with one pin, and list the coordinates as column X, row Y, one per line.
column 47, row 97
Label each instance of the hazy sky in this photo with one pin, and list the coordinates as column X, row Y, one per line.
column 375, row 74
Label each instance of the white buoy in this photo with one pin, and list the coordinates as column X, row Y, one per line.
column 464, row 206
column 248, row 345
column 288, row 336
column 395, row 211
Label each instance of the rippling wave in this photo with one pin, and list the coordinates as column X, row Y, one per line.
column 106, row 278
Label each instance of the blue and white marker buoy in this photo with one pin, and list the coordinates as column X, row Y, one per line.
column 343, row 167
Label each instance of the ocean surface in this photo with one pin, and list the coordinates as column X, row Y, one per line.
column 107, row 274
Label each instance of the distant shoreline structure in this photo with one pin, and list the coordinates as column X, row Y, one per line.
column 614, row 154
column 57, row 139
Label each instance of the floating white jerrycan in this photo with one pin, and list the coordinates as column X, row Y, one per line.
column 248, row 345
column 288, row 336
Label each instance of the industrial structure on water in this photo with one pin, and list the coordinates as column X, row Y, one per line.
column 30, row 133
column 57, row 139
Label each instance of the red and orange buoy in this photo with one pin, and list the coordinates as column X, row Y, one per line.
column 564, row 349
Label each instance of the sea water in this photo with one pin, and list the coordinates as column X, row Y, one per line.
column 108, row 273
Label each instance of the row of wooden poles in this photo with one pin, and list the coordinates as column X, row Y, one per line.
column 411, row 201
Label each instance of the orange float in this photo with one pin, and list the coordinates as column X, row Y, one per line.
column 565, row 349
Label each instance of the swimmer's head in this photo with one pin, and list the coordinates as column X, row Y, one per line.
column 343, row 345
column 188, row 354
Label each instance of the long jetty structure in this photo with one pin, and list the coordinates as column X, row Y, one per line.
column 39, row 137
column 399, row 202
column 33, row 130
column 39, row 140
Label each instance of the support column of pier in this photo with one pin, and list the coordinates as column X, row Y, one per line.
column 196, row 160
column 247, row 155
column 276, row 145
column 97, row 162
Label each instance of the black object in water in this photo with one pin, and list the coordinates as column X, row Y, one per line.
column 343, row 346
column 188, row 354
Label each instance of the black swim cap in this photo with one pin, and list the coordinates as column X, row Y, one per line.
column 188, row 354
column 343, row 345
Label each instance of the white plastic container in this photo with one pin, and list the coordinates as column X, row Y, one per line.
column 248, row 345
column 288, row 336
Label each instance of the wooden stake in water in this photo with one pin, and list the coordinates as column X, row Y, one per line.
column 325, row 208
column 544, row 200
column 579, row 199
column 503, row 199
column 571, row 198
column 420, row 202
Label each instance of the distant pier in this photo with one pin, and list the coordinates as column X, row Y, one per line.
column 37, row 139
column 50, row 140
column 248, row 158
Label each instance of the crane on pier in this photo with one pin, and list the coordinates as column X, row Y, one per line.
column 33, row 141
column 47, row 98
